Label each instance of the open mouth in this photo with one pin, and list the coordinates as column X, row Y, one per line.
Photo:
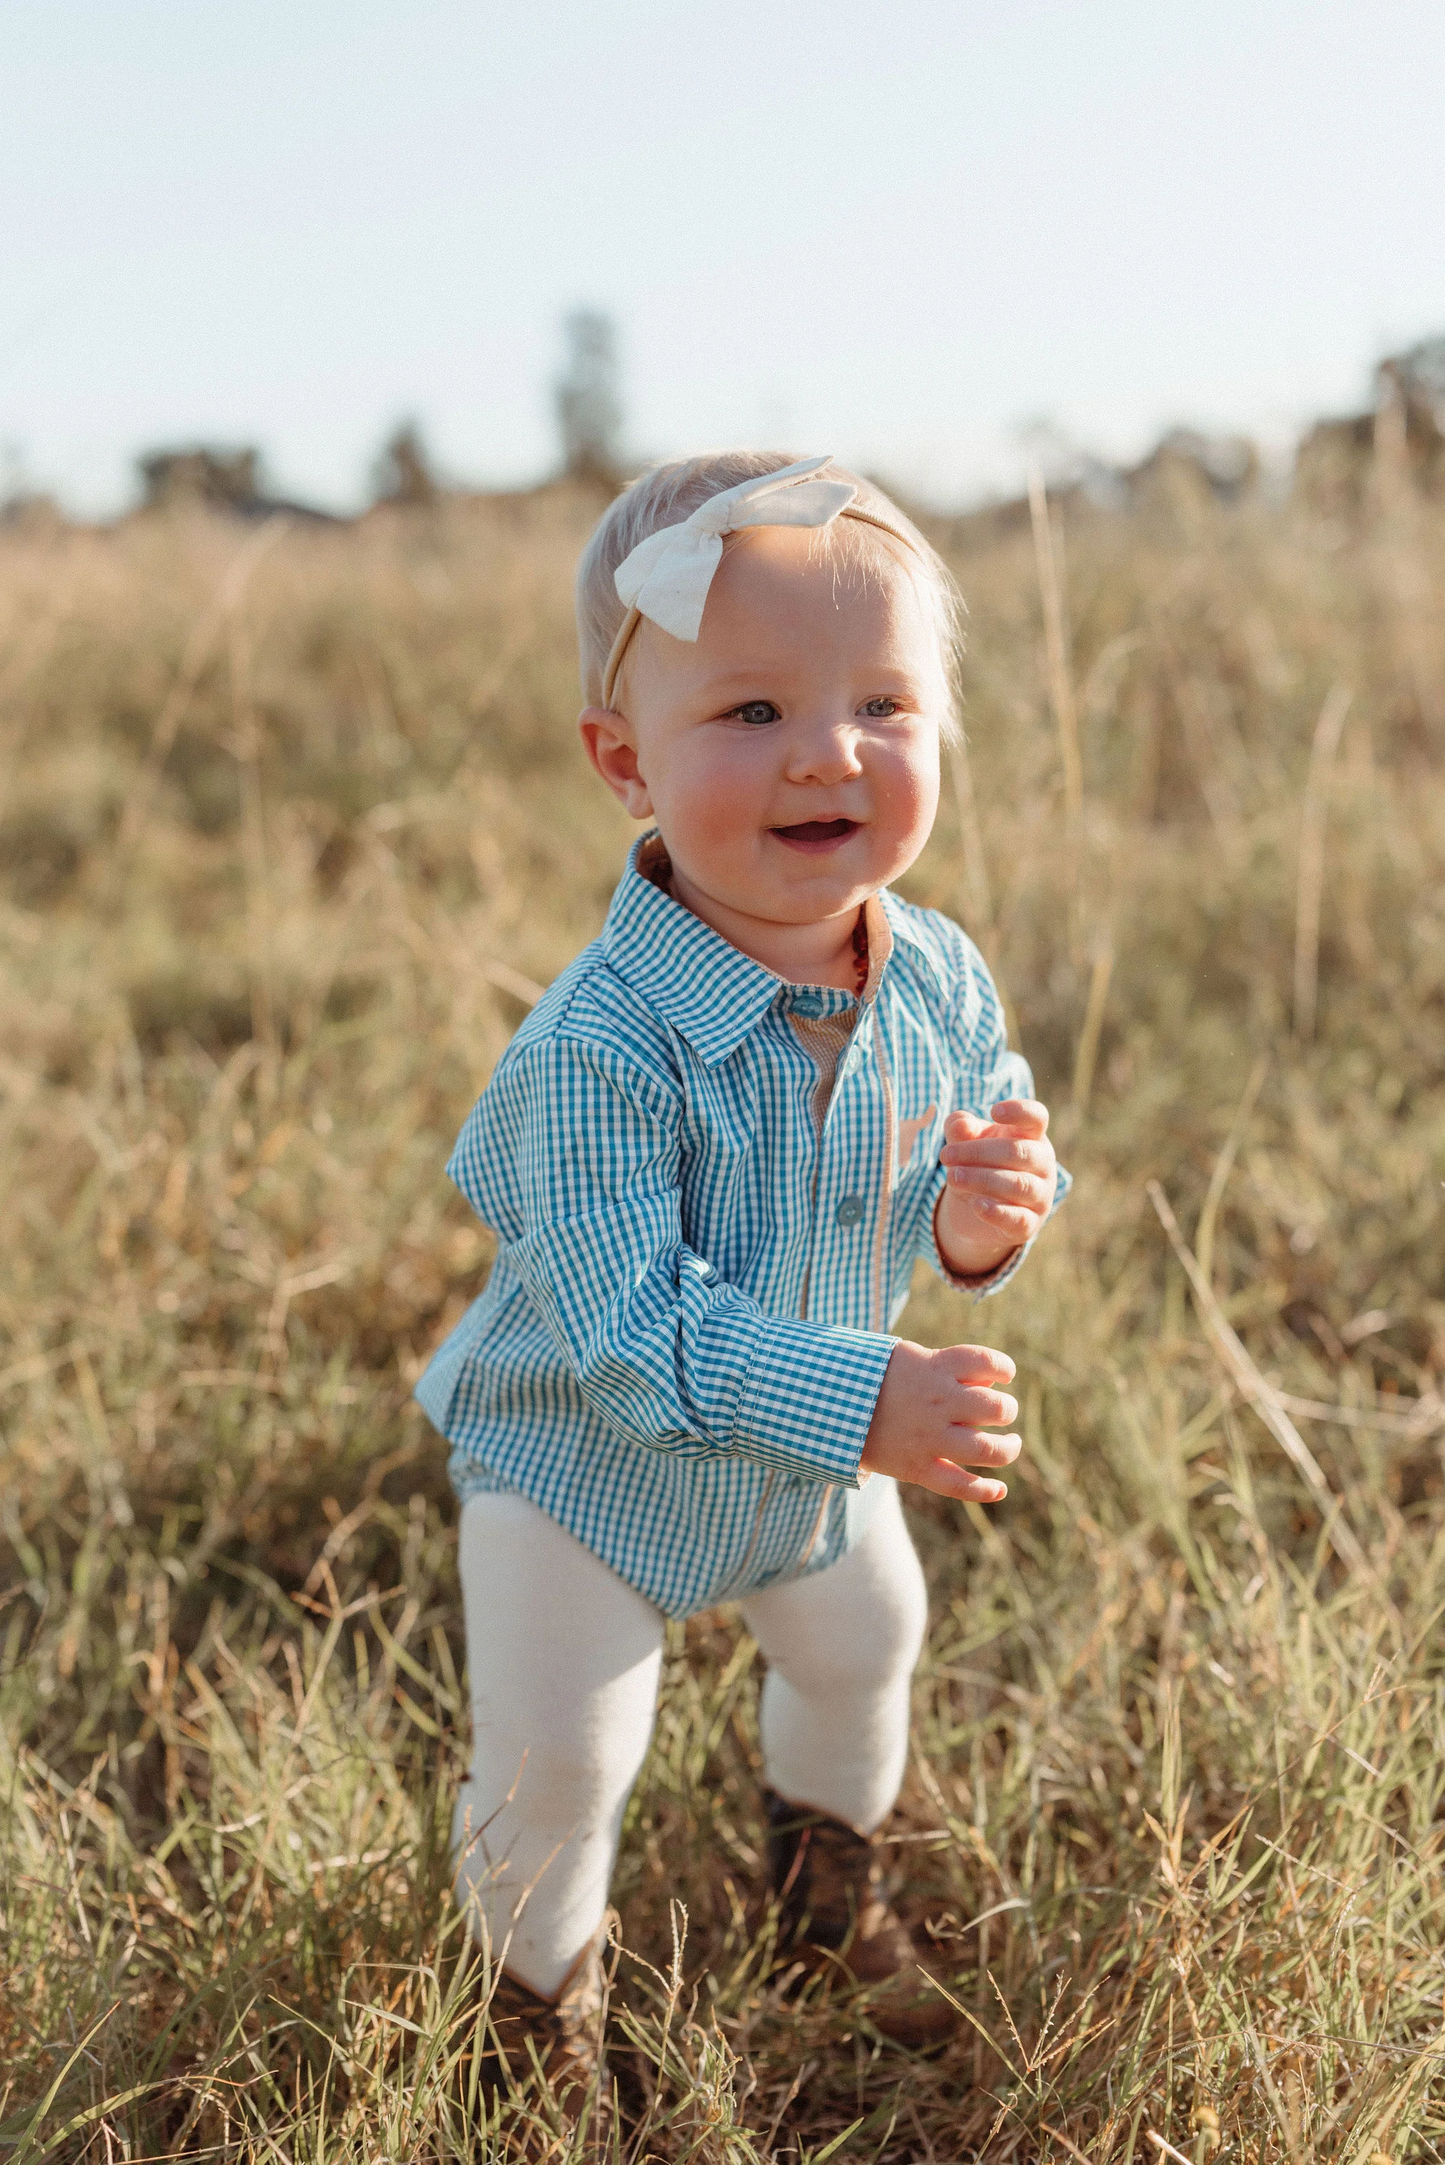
column 817, row 834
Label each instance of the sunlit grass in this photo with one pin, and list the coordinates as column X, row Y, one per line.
column 289, row 827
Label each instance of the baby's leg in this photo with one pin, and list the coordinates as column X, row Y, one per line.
column 841, row 1646
column 563, row 1659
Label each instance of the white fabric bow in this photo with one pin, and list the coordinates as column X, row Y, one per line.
column 667, row 576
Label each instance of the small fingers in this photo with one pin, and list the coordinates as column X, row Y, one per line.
column 946, row 1479
column 1018, row 1223
column 974, row 1408
column 1025, row 1116
column 979, row 1365
column 1003, row 1153
column 1028, row 1189
column 965, row 1127
column 971, row 1447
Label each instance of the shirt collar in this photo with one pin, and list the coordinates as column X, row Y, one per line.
column 699, row 983
column 903, row 926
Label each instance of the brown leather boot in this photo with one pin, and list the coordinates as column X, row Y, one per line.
column 562, row 2037
column 836, row 1917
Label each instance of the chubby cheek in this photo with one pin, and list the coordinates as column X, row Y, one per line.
column 905, row 798
column 712, row 796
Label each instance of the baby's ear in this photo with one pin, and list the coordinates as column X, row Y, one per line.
column 612, row 751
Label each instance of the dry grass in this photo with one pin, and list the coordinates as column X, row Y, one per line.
column 288, row 824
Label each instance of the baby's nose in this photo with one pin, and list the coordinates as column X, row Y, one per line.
column 827, row 751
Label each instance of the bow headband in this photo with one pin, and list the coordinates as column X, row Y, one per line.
column 667, row 576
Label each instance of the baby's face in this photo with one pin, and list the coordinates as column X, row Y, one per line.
column 789, row 756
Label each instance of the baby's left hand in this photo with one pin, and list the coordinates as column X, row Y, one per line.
column 1000, row 1184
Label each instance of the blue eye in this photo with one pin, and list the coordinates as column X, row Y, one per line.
column 881, row 709
column 755, row 711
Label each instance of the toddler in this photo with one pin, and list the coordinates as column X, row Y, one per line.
column 711, row 1156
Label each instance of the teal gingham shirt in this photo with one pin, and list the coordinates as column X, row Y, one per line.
column 701, row 1244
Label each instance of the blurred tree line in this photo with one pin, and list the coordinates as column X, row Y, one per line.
column 1341, row 464
column 587, row 407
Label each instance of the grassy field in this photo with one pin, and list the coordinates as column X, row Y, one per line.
column 292, row 826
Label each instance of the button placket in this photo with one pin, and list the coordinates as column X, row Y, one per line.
column 844, row 1204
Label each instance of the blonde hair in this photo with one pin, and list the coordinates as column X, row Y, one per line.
column 666, row 495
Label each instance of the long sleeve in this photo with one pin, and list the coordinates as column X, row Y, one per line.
column 671, row 1356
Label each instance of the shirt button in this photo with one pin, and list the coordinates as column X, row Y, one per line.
column 808, row 1004
column 850, row 1210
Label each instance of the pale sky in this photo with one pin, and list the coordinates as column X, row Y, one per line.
column 897, row 230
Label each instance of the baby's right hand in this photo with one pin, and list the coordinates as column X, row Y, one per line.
column 928, row 1415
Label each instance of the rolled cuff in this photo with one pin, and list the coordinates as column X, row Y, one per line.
column 809, row 1397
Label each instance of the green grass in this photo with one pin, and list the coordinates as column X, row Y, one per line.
column 288, row 824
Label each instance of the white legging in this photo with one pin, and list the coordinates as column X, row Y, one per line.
column 563, row 1658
